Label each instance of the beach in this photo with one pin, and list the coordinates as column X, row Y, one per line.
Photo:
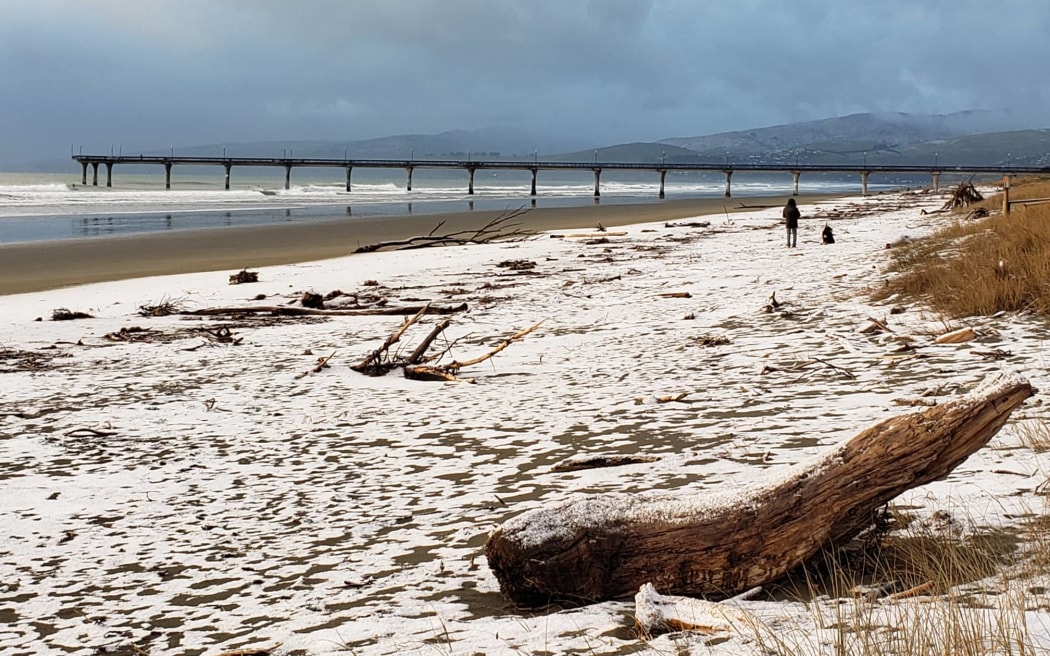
column 189, row 469
column 34, row 266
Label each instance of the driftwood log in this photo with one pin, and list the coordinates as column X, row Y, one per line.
column 501, row 228
column 290, row 311
column 606, row 546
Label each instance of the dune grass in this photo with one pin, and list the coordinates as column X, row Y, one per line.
column 933, row 587
column 980, row 267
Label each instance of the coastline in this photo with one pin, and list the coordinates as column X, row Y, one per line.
column 39, row 266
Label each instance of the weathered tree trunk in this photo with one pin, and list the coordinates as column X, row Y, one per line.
column 287, row 311
column 606, row 546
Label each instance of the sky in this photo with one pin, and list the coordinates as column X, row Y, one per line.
column 142, row 74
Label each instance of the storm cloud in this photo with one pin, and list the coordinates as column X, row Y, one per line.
column 148, row 73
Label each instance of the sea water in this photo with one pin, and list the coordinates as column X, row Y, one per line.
column 51, row 206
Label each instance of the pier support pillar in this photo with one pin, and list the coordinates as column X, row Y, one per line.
column 167, row 175
column 729, row 183
column 795, row 175
column 936, row 180
column 864, row 183
column 94, row 174
column 597, row 182
column 410, row 170
column 83, row 176
column 349, row 170
column 287, row 176
column 227, row 167
column 470, row 181
column 1006, row 195
column 663, row 178
column 532, row 191
column 109, row 174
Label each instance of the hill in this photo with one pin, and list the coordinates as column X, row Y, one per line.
column 973, row 137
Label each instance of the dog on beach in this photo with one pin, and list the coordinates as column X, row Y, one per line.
column 827, row 236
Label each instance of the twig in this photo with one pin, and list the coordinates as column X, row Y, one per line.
column 79, row 432
column 844, row 372
column 321, row 364
column 911, row 592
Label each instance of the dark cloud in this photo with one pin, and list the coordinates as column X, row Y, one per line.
column 156, row 72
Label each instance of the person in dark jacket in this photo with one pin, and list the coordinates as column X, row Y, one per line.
column 791, row 217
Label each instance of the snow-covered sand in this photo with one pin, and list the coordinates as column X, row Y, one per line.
column 182, row 495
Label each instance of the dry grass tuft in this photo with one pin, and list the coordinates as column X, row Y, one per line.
column 933, row 587
column 981, row 267
column 1033, row 434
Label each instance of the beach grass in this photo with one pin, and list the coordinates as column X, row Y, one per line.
column 936, row 586
column 980, row 267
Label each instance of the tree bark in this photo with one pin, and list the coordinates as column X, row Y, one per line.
column 606, row 546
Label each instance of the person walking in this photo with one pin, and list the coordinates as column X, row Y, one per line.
column 791, row 217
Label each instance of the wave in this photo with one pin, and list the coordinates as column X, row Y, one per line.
column 145, row 194
column 340, row 189
column 52, row 188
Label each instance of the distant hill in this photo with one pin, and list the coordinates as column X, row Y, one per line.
column 973, row 137
column 487, row 143
column 1020, row 147
column 640, row 152
column 844, row 137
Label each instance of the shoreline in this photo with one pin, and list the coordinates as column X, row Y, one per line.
column 39, row 266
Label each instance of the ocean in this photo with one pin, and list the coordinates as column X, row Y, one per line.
column 55, row 206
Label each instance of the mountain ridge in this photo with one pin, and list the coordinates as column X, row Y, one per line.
column 970, row 137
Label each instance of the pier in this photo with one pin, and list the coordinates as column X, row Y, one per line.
column 471, row 167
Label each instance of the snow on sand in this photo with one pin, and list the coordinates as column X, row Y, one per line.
column 188, row 496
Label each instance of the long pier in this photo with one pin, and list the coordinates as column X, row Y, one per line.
column 535, row 166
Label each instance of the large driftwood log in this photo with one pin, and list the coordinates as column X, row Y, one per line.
column 289, row 311
column 606, row 546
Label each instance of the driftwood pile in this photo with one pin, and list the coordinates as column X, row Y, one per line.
column 65, row 314
column 602, row 547
column 244, row 276
column 963, row 195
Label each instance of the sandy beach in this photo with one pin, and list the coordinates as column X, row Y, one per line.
column 46, row 265
column 202, row 483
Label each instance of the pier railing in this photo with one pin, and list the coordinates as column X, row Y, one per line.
column 534, row 166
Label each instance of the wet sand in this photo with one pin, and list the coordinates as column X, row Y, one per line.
column 36, row 266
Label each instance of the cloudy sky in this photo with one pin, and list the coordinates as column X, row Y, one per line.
column 150, row 73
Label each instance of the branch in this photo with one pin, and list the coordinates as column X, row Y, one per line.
column 373, row 363
column 500, row 228
column 417, row 354
column 277, row 310
column 507, row 342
